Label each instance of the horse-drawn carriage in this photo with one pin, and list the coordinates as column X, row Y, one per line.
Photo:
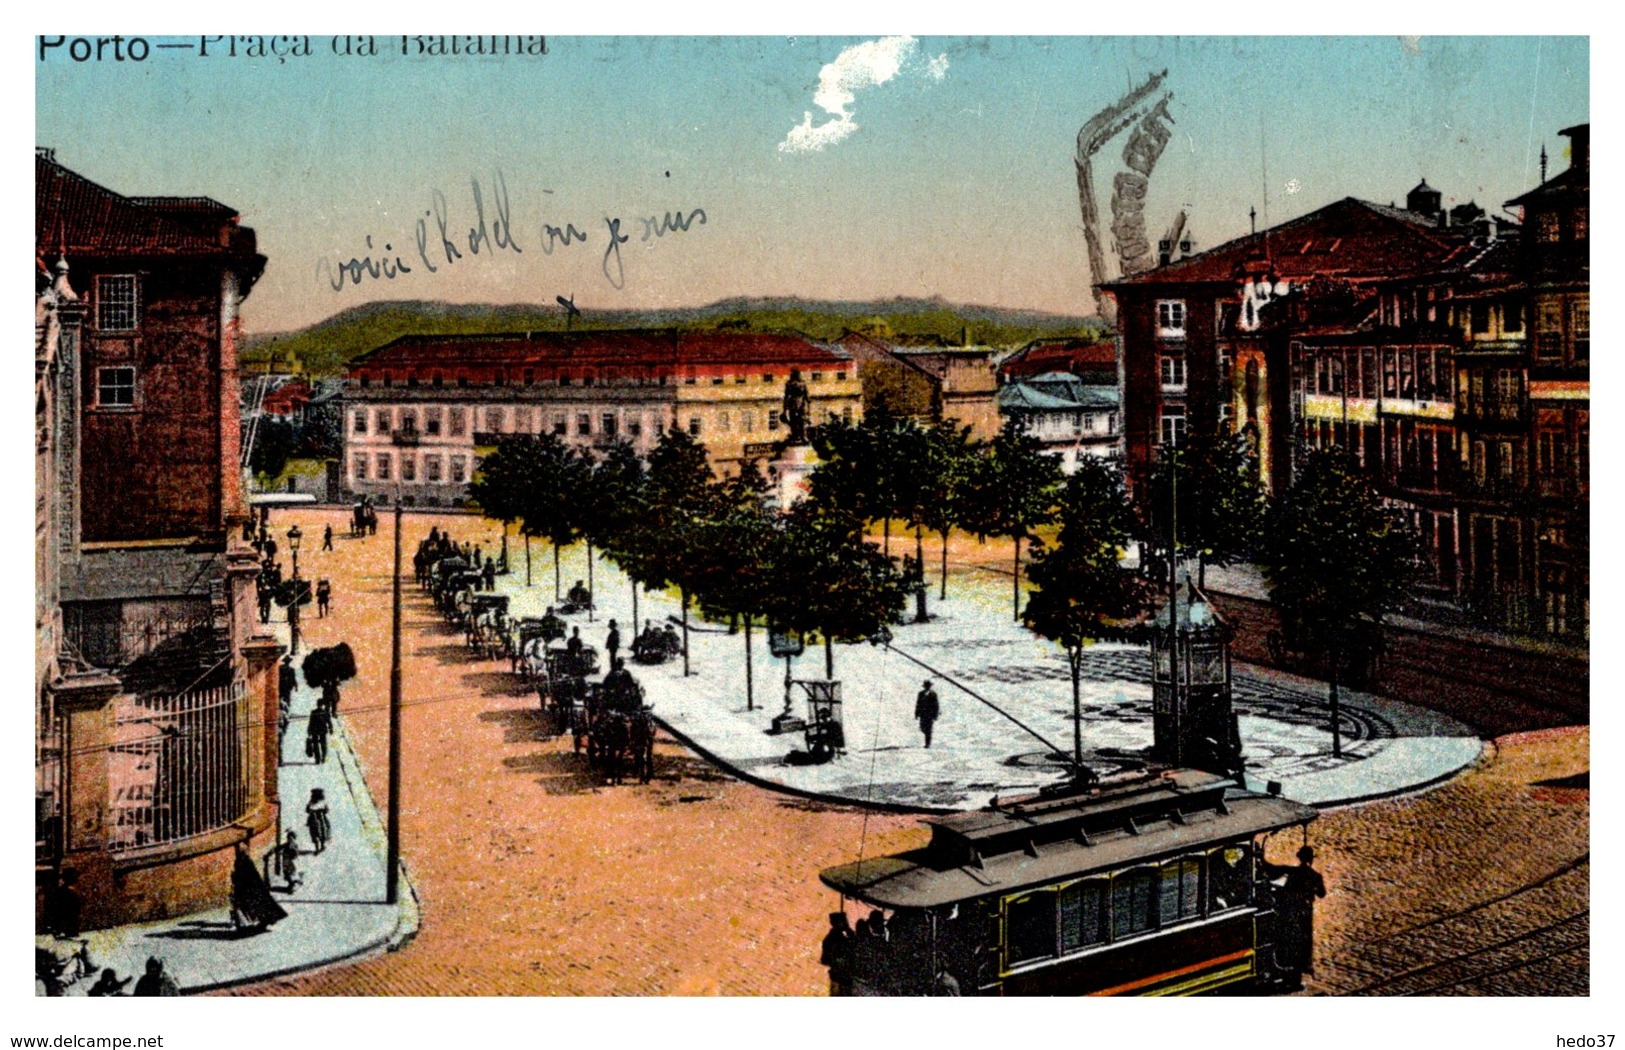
column 656, row 647
column 616, row 730
column 363, row 519
column 485, row 621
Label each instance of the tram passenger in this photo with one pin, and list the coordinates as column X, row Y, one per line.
column 1295, row 900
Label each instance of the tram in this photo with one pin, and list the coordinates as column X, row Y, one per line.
column 1148, row 883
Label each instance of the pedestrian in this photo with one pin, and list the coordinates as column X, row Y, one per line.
column 316, row 729
column 155, row 981
column 927, row 708
column 327, row 538
column 287, row 680
column 270, row 549
column 489, row 574
column 1295, row 903
column 252, row 905
column 573, row 646
column 836, row 952
column 109, row 983
column 330, row 699
column 317, row 821
column 612, row 644
column 287, row 861
column 63, row 905
column 264, row 595
column 324, row 597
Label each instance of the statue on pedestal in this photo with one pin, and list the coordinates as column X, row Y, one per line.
column 797, row 406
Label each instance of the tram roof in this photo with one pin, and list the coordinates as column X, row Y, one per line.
column 1046, row 840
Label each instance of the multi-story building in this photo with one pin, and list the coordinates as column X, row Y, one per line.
column 420, row 410
column 1446, row 350
column 1072, row 419
column 928, row 379
column 156, row 742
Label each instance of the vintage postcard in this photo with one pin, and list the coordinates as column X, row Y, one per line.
column 906, row 516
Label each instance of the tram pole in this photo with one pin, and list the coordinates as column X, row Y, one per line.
column 393, row 858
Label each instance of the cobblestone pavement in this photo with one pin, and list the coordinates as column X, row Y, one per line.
column 534, row 880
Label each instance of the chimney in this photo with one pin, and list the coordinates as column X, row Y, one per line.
column 1579, row 148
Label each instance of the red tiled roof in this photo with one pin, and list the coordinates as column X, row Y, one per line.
column 75, row 215
column 616, row 347
column 1350, row 237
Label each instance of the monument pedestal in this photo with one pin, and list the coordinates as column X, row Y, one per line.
column 792, row 469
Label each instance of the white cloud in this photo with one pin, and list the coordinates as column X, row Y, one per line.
column 856, row 68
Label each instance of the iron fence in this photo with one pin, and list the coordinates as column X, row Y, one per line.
column 179, row 765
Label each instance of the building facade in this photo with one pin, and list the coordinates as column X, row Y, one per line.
column 928, row 380
column 1074, row 420
column 156, row 749
column 1446, row 350
column 419, row 411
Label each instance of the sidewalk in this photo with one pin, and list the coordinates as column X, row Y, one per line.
column 972, row 645
column 336, row 913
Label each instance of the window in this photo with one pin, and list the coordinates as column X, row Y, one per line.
column 383, row 466
column 1180, row 895
column 1552, row 453
column 366, row 381
column 840, row 377
column 634, row 428
column 740, row 379
column 462, row 382
column 723, row 423
column 360, row 421
column 412, row 382
column 1173, row 424
column 383, row 420
column 1546, row 227
column 1390, row 372
column 116, row 306
column 846, row 414
column 1582, row 222
column 409, row 468
column 1134, row 902
column 1083, row 916
column 561, row 426
column 431, row 468
column 1030, row 927
column 716, row 380
column 772, row 421
column 767, row 377
column 690, row 379
column 431, row 423
column 1511, row 317
column 500, row 378
column 607, row 425
column 459, row 469
column 1171, row 318
column 493, row 420
column 409, row 420
column 459, row 421
column 1230, row 878
column 1173, row 371
column 747, row 422
column 1480, row 314
column 1549, row 328
column 564, row 379
column 115, row 387
column 583, row 423
column 389, row 380
column 587, row 379
column 530, row 376
column 521, row 420
column 360, row 465
column 817, row 377
column 694, row 426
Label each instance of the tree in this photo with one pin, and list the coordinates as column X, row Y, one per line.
column 500, row 486
column 680, row 497
column 273, row 445
column 1337, row 561
column 1209, row 486
column 950, row 457
column 829, row 580
column 538, row 481
column 616, row 502
column 733, row 558
column 847, row 477
column 1082, row 593
column 1012, row 492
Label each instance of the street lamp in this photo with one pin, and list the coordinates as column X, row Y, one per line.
column 294, row 536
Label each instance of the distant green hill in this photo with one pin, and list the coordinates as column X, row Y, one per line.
column 326, row 347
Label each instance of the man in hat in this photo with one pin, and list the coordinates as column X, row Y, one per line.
column 1298, row 889
column 927, row 708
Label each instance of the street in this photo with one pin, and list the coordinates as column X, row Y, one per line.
column 536, row 880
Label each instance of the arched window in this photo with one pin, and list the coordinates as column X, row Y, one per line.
column 1134, row 902
column 1083, row 914
column 1180, row 893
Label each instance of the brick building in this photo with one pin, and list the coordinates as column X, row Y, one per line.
column 156, row 747
column 1445, row 349
column 420, row 410
column 928, row 380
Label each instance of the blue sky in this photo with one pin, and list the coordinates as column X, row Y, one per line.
column 951, row 176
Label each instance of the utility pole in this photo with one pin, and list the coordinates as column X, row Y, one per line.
column 393, row 861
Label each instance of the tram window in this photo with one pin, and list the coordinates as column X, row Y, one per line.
column 1229, row 880
column 1083, row 914
column 1180, row 896
column 1134, row 902
column 1030, row 927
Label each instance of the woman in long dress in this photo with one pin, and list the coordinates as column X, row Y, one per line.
column 251, row 901
column 317, row 821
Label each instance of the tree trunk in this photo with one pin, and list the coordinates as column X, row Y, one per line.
column 1015, row 591
column 635, row 626
column 943, row 596
column 1075, row 658
column 829, row 658
column 590, row 585
column 558, row 594
column 1201, row 569
column 1337, row 729
column 504, row 546
column 886, row 532
column 683, row 592
column 527, row 559
column 750, row 697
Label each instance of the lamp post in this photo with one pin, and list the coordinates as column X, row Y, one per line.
column 392, row 860
column 293, row 607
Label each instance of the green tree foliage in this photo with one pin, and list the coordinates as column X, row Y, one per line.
column 274, row 442
column 681, row 497
column 1011, row 492
column 1081, row 593
column 1337, row 560
column 946, row 468
column 847, row 477
column 735, row 549
column 828, row 580
column 538, row 482
column 1210, row 486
